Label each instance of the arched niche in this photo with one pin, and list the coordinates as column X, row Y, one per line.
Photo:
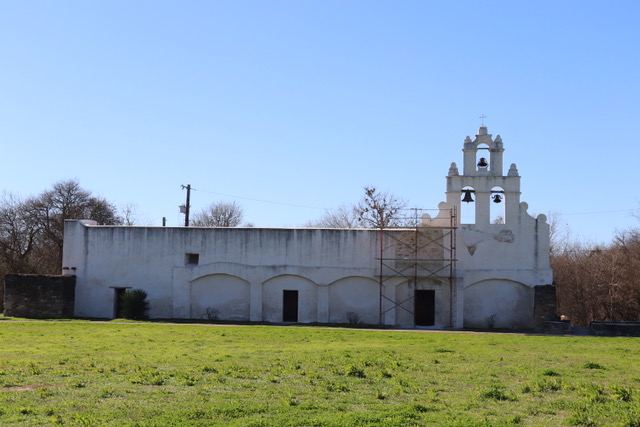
column 276, row 293
column 498, row 303
column 220, row 296
column 360, row 295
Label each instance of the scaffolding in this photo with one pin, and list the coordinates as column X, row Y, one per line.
column 416, row 253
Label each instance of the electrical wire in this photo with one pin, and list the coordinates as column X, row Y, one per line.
column 600, row 212
column 260, row 200
column 332, row 209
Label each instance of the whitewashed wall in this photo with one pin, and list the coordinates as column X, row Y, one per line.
column 242, row 272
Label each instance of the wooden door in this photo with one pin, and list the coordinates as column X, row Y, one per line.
column 289, row 306
column 425, row 307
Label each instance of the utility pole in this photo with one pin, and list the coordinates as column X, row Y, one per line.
column 186, row 208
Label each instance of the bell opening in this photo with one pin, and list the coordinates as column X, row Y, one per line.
column 497, row 209
column 468, row 208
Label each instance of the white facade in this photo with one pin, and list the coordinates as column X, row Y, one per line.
column 326, row 275
column 501, row 255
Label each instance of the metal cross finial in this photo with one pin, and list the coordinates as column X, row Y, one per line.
column 482, row 117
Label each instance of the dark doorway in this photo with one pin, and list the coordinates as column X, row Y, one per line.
column 117, row 306
column 425, row 307
column 290, row 306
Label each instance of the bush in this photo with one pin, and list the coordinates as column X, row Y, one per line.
column 353, row 318
column 135, row 305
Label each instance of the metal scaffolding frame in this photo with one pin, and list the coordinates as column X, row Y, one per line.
column 415, row 250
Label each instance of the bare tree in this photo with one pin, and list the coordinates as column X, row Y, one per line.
column 559, row 233
column 343, row 217
column 67, row 200
column 380, row 209
column 31, row 230
column 18, row 236
column 375, row 210
column 599, row 283
column 129, row 214
column 498, row 220
column 219, row 214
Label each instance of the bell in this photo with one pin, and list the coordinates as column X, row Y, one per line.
column 483, row 162
column 467, row 196
column 497, row 198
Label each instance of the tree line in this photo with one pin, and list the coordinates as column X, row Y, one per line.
column 597, row 283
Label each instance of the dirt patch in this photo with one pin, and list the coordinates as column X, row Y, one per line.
column 26, row 387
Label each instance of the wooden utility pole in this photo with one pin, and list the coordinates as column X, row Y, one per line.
column 186, row 208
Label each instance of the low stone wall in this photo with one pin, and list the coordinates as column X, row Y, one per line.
column 561, row 327
column 39, row 296
column 616, row 329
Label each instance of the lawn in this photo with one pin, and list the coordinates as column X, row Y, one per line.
column 148, row 374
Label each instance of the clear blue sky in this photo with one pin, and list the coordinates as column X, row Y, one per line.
column 305, row 102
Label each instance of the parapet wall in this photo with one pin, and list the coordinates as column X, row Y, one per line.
column 39, row 296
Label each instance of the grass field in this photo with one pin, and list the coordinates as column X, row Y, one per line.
column 83, row 373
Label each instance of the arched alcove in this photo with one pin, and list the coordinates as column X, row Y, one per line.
column 280, row 293
column 498, row 303
column 220, row 296
column 360, row 295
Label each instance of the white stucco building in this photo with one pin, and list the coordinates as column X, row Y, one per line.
column 461, row 268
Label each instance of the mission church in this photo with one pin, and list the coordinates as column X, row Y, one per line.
column 474, row 264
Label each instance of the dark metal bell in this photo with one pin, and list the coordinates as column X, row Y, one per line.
column 497, row 198
column 483, row 162
column 467, row 196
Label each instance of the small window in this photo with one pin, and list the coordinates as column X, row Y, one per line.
column 192, row 259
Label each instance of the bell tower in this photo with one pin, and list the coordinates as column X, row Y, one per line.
column 483, row 191
column 501, row 251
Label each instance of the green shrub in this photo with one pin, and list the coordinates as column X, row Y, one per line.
column 548, row 384
column 593, row 365
column 356, row 371
column 550, row 373
column 135, row 305
column 622, row 393
column 496, row 393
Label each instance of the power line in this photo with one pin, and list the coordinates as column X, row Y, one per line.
column 599, row 212
column 332, row 209
column 261, row 200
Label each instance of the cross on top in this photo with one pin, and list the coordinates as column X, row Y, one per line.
column 482, row 117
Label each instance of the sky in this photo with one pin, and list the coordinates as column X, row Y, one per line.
column 290, row 108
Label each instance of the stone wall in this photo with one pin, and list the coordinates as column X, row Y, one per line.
column 544, row 308
column 39, row 296
column 616, row 329
column 558, row 327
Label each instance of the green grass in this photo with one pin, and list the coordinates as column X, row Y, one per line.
column 94, row 374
